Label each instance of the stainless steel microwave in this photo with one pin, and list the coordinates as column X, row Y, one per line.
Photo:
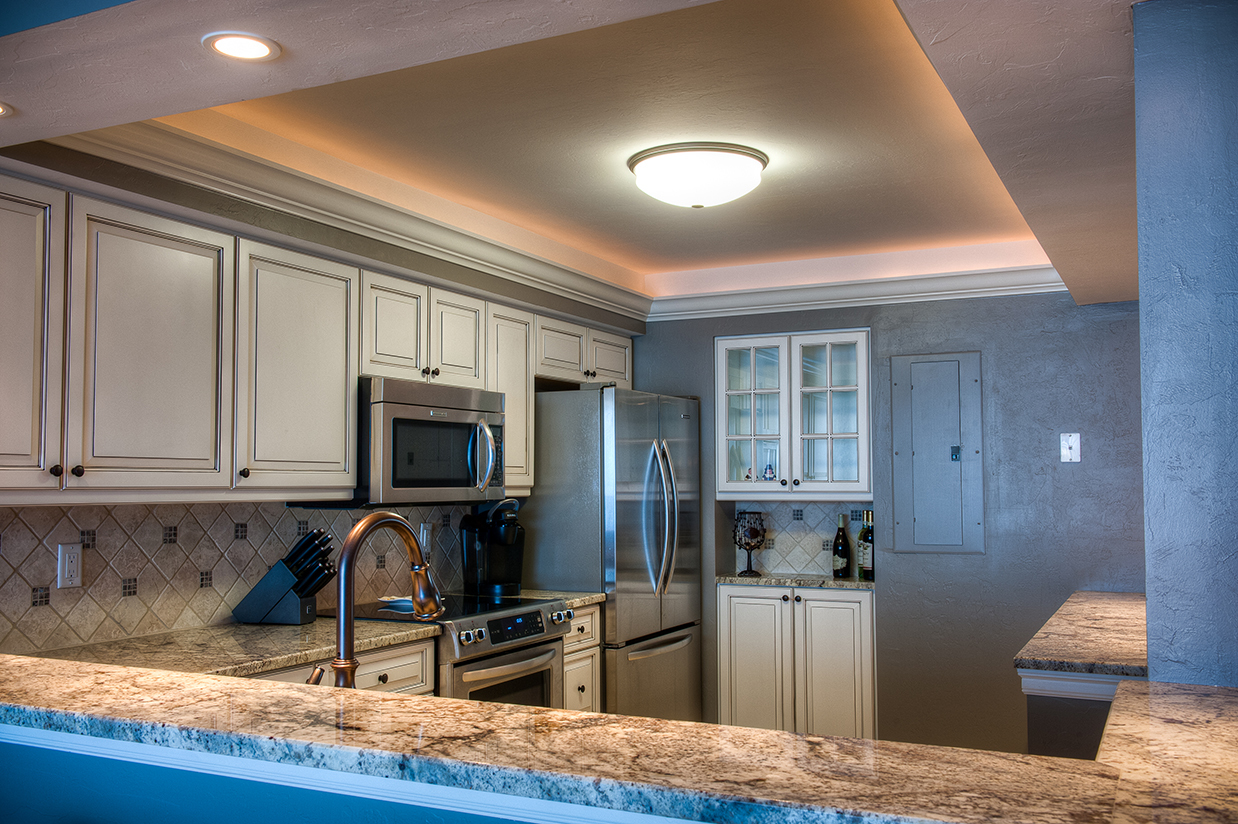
column 423, row 442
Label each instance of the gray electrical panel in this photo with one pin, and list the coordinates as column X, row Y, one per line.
column 938, row 454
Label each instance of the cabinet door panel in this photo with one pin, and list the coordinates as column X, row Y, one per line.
column 610, row 356
column 32, row 227
column 833, row 663
column 458, row 339
column 755, row 658
column 297, row 367
column 509, row 361
column 560, row 349
column 150, row 350
column 582, row 681
column 394, row 327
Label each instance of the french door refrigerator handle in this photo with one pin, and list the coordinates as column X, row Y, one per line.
column 662, row 649
column 659, row 587
column 492, row 453
column 673, row 505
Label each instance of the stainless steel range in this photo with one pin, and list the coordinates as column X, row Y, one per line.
column 508, row 650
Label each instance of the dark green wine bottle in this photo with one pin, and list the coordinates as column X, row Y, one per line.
column 842, row 550
column 864, row 547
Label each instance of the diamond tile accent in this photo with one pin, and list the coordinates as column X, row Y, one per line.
column 146, row 565
column 40, row 596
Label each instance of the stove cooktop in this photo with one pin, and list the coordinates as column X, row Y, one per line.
column 458, row 606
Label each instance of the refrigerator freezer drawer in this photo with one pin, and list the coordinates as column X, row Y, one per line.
column 659, row 677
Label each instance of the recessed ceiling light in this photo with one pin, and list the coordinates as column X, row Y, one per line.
column 698, row 174
column 249, row 47
column 5, row 110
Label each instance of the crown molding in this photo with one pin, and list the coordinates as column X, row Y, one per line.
column 164, row 152
column 949, row 286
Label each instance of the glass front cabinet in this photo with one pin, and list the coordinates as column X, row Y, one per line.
column 793, row 416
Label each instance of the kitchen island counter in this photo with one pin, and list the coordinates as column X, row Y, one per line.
column 581, row 763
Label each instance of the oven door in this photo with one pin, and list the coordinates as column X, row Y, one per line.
column 421, row 453
column 531, row 676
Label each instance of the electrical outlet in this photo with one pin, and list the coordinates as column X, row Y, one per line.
column 1070, row 447
column 68, row 565
column 425, row 534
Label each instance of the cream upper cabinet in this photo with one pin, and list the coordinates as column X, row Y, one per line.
column 149, row 352
column 457, row 339
column 570, row 352
column 509, row 361
column 297, row 366
column 32, row 278
column 797, row 659
column 793, row 417
column 395, row 327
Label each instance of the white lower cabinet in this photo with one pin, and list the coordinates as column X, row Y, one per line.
column 582, row 662
column 797, row 659
column 407, row 668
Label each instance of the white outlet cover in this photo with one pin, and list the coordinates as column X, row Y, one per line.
column 68, row 565
column 1070, row 447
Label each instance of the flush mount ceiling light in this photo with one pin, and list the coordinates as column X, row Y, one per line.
column 251, row 48
column 5, row 110
column 698, row 174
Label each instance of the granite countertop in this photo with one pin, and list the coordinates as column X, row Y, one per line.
column 1104, row 633
column 1176, row 746
column 243, row 650
column 699, row 772
column 795, row 580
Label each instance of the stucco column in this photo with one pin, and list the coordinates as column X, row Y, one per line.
column 1186, row 106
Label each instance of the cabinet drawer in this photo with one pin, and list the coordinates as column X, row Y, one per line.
column 584, row 631
column 582, row 681
column 407, row 668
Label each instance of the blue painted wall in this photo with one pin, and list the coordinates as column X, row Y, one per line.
column 949, row 626
column 19, row 15
column 1186, row 107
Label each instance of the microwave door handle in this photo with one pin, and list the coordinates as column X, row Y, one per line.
column 674, row 510
column 492, row 453
column 659, row 588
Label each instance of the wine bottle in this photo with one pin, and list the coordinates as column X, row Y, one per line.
column 842, row 550
column 864, row 547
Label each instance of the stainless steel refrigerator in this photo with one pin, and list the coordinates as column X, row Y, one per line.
column 616, row 508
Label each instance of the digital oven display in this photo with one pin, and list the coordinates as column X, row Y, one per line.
column 514, row 627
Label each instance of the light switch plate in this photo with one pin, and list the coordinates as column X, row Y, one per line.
column 1070, row 447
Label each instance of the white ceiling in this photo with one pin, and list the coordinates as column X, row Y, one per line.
column 513, row 120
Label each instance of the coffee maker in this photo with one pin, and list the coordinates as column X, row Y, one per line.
column 493, row 544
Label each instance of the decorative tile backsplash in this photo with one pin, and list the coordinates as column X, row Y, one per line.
column 149, row 569
column 795, row 534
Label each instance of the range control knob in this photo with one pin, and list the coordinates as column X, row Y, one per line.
column 559, row 616
column 467, row 636
column 480, row 633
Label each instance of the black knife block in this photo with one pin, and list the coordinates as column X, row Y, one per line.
column 272, row 601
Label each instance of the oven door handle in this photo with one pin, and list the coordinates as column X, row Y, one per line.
column 662, row 649
column 509, row 670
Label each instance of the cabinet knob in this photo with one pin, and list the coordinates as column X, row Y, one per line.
column 786, row 597
column 425, row 371
column 434, row 372
column 56, row 471
column 581, row 688
column 78, row 471
column 244, row 473
column 783, row 482
column 382, row 678
column 798, row 599
column 796, row 482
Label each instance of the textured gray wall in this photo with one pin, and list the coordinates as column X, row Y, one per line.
column 1186, row 69
column 948, row 626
